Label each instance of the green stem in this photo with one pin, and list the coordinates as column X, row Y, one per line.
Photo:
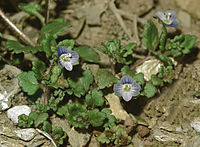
column 40, row 17
column 163, row 38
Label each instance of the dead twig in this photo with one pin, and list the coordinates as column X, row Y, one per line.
column 12, row 26
column 119, row 18
column 47, row 11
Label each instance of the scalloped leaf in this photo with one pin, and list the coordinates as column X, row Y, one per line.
column 188, row 43
column 105, row 78
column 96, row 98
column 19, row 48
column 38, row 68
column 28, row 82
column 96, row 117
column 41, row 119
column 81, row 86
column 77, row 115
column 149, row 90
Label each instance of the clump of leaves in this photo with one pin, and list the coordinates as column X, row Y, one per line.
column 114, row 50
column 59, row 135
column 116, row 135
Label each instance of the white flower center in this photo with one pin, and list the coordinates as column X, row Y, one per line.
column 127, row 87
column 66, row 57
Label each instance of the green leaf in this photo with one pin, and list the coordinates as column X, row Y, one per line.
column 113, row 47
column 46, row 40
column 96, row 117
column 32, row 9
column 56, row 72
column 38, row 68
column 150, row 36
column 155, row 81
column 59, row 135
column 62, row 110
column 105, row 78
column 47, row 127
column 126, row 71
column 69, row 43
column 28, row 82
column 139, row 78
column 57, row 130
column 54, row 28
column 19, row 48
column 77, row 115
column 111, row 119
column 81, row 86
column 188, row 43
column 88, row 54
column 149, row 90
column 41, row 119
column 95, row 99
column 31, row 118
column 128, row 49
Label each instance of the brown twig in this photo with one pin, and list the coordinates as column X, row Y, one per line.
column 12, row 26
column 119, row 18
column 47, row 11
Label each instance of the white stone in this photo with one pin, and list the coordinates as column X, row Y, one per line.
column 195, row 125
column 14, row 112
column 149, row 67
column 26, row 134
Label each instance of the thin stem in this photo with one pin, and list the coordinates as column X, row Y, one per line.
column 22, row 36
column 112, row 65
column 47, row 11
column 40, row 17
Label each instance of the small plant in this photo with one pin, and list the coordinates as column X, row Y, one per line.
column 78, row 96
column 115, row 135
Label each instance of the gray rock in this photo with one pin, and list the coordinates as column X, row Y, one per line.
column 8, row 85
column 195, row 124
column 14, row 112
column 26, row 134
column 191, row 6
column 185, row 18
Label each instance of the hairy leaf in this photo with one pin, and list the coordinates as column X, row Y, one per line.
column 28, row 82
column 156, row 81
column 105, row 78
column 96, row 98
column 38, row 68
column 149, row 90
column 150, row 36
column 77, row 115
column 54, row 28
column 88, row 54
column 33, row 9
column 19, row 48
column 96, row 117
column 47, row 126
column 41, row 119
column 139, row 78
column 81, row 86
column 188, row 43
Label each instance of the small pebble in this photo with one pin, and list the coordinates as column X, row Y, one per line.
column 14, row 112
column 143, row 131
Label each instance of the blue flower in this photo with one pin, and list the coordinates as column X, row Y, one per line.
column 169, row 18
column 127, row 88
column 66, row 58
